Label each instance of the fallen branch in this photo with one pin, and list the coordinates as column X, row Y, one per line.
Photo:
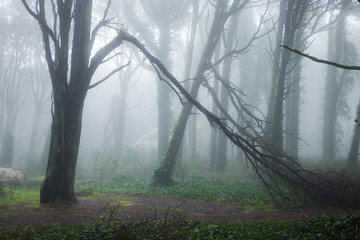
column 273, row 166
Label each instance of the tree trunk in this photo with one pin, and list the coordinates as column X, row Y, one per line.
column 163, row 174
column 45, row 152
column 215, row 111
column 192, row 130
column 275, row 70
column 119, row 124
column 69, row 97
column 292, row 113
column 163, row 94
column 335, row 46
column 221, row 154
column 294, row 14
column 354, row 149
column 292, row 103
column 64, row 147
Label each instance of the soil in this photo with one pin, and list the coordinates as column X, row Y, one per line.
column 128, row 207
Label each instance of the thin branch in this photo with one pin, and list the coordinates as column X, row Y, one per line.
column 41, row 20
column 347, row 67
column 100, row 24
column 109, row 75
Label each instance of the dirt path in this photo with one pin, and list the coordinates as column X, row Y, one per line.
column 128, row 207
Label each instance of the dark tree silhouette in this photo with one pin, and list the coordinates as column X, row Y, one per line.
column 70, row 78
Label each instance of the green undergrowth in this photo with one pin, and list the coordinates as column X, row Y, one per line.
column 15, row 192
column 321, row 228
column 222, row 190
column 249, row 192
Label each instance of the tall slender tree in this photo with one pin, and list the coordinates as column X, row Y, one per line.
column 14, row 87
column 221, row 154
column 338, row 83
column 223, row 10
column 291, row 16
column 165, row 18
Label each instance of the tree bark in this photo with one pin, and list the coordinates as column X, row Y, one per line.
column 64, row 147
column 355, row 142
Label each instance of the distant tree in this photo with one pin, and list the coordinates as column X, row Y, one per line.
column 192, row 130
column 14, row 87
column 215, row 111
column 223, row 11
column 221, row 151
column 40, row 93
column 165, row 18
column 338, row 84
column 71, row 74
column 116, row 126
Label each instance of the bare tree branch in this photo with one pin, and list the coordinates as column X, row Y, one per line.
column 41, row 19
column 347, row 67
column 109, row 75
column 100, row 24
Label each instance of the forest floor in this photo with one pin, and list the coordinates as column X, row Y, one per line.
column 135, row 207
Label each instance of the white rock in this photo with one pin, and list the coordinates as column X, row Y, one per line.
column 7, row 174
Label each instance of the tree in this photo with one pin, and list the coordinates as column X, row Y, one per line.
column 223, row 11
column 353, row 155
column 221, row 151
column 70, row 73
column 14, row 71
column 291, row 17
column 338, row 83
column 165, row 17
column 188, row 66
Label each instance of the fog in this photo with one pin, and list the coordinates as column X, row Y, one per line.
column 24, row 79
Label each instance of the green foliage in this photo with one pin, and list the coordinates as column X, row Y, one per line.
column 229, row 190
column 321, row 228
column 20, row 193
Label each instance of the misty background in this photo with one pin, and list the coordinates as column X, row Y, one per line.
column 165, row 28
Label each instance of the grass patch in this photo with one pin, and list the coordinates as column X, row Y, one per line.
column 324, row 227
column 222, row 190
column 19, row 196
